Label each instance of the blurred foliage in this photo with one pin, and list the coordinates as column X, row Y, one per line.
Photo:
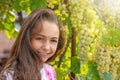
column 92, row 25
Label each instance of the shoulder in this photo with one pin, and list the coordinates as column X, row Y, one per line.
column 7, row 74
column 50, row 71
column 49, row 68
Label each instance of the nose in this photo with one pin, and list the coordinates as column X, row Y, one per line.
column 46, row 46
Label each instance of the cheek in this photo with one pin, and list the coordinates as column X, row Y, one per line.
column 35, row 44
column 54, row 48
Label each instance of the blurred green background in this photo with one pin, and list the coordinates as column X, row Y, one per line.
column 92, row 28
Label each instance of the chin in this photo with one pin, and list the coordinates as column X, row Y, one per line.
column 44, row 60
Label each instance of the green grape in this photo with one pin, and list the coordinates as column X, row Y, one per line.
column 87, row 42
column 108, row 60
column 103, row 59
column 62, row 12
column 52, row 3
column 75, row 13
column 84, row 19
column 115, row 63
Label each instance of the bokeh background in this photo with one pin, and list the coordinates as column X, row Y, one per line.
column 92, row 28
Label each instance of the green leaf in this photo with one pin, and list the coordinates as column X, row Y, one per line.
column 69, row 25
column 7, row 25
column 60, row 74
column 3, row 1
column 1, row 26
column 112, row 37
column 106, row 76
column 105, row 39
column 115, row 36
column 25, row 4
column 92, row 72
column 11, row 17
column 75, row 67
column 16, row 5
column 9, row 34
column 35, row 4
column 14, row 34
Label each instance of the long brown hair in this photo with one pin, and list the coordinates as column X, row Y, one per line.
column 23, row 59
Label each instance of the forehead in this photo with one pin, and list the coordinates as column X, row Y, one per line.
column 47, row 28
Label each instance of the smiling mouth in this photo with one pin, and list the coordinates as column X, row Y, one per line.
column 43, row 54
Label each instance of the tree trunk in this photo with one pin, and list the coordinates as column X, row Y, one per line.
column 20, row 17
column 62, row 55
column 73, row 51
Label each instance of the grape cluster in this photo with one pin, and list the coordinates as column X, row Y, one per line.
column 115, row 63
column 75, row 13
column 52, row 3
column 86, row 21
column 103, row 58
column 108, row 60
column 87, row 44
column 62, row 12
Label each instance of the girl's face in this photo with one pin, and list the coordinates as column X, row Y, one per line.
column 46, row 40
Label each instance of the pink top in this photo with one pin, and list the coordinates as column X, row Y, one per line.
column 47, row 73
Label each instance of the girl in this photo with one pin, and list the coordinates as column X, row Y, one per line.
column 40, row 40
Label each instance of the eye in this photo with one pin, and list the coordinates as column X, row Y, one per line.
column 38, row 38
column 54, row 41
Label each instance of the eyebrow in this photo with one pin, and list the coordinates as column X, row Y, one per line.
column 45, row 36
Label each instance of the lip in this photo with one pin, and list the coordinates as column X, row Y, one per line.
column 42, row 54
